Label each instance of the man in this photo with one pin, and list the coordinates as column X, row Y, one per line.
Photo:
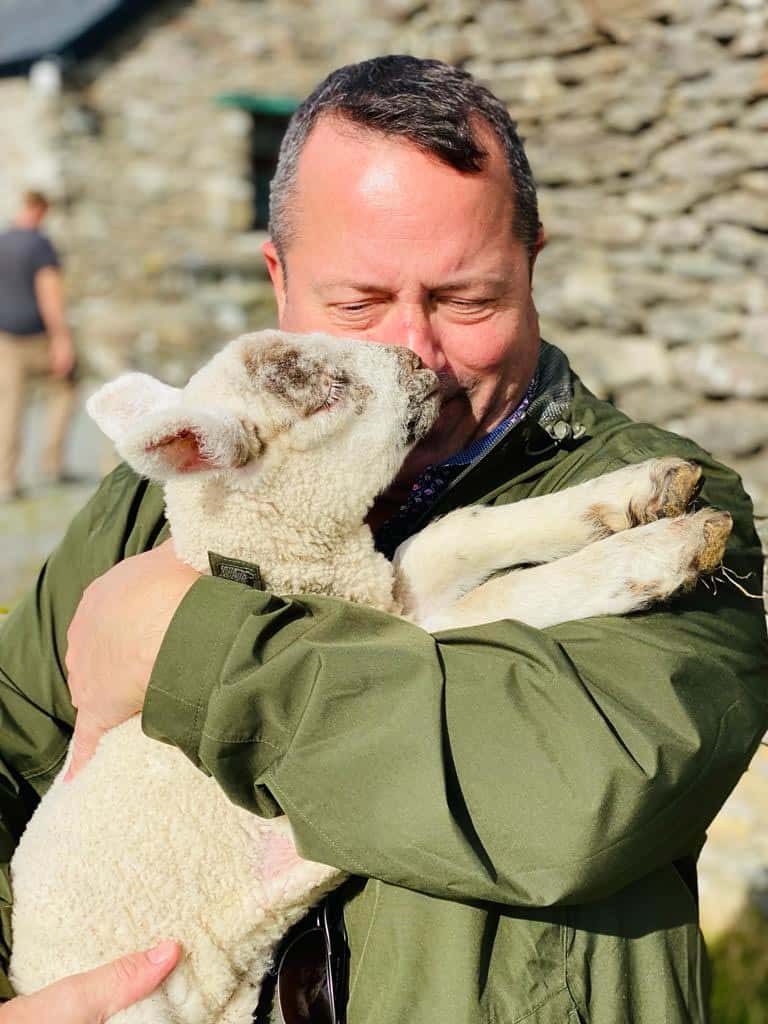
column 34, row 340
column 523, row 808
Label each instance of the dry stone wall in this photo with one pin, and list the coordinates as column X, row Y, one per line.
column 29, row 137
column 646, row 122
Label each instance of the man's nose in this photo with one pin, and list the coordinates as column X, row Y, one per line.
column 417, row 334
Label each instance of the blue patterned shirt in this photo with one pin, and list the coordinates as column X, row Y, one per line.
column 431, row 483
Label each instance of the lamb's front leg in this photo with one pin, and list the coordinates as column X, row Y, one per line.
column 623, row 573
column 456, row 553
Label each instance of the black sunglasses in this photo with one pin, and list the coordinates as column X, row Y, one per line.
column 308, row 984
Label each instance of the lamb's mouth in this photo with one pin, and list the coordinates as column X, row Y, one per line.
column 422, row 414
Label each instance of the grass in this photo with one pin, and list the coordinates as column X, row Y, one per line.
column 740, row 972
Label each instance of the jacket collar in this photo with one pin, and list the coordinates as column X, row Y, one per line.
column 548, row 429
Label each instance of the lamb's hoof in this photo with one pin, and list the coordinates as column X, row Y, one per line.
column 677, row 483
column 715, row 530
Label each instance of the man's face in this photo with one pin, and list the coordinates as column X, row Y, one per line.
column 31, row 215
column 392, row 246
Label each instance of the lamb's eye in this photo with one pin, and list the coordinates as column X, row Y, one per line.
column 336, row 390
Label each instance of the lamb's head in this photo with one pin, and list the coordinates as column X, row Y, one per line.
column 310, row 423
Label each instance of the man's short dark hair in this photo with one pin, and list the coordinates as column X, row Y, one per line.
column 433, row 105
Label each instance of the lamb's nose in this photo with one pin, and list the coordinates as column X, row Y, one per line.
column 409, row 359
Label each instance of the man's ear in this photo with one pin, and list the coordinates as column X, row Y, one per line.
column 276, row 273
column 541, row 241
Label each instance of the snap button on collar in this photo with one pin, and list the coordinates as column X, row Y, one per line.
column 560, row 430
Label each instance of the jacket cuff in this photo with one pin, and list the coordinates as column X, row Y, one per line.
column 190, row 661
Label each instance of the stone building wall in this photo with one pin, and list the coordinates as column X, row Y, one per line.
column 646, row 125
column 29, row 136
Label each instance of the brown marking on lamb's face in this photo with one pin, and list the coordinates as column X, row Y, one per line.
column 302, row 380
column 290, row 374
column 361, row 393
column 281, row 368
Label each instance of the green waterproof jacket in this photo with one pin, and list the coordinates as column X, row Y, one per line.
column 523, row 807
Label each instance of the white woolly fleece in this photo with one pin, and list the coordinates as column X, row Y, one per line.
column 257, row 454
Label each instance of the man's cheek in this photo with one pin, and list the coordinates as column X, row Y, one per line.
column 299, row 316
column 482, row 354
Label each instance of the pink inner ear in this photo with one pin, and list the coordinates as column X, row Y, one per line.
column 181, row 451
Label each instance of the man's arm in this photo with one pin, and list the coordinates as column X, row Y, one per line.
column 500, row 762
column 49, row 291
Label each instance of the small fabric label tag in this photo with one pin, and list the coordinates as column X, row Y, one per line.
column 235, row 570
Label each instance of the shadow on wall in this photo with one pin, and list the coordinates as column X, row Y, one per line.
column 740, row 965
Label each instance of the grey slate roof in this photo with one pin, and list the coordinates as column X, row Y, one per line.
column 31, row 29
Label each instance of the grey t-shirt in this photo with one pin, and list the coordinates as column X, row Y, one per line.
column 23, row 251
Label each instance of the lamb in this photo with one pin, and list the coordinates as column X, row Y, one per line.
column 255, row 455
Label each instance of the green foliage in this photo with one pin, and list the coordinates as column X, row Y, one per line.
column 740, row 972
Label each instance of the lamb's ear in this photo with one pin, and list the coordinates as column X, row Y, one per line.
column 120, row 406
column 181, row 440
column 161, row 438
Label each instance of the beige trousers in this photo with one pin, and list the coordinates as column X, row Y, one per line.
column 21, row 360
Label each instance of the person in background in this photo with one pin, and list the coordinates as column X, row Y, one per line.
column 34, row 341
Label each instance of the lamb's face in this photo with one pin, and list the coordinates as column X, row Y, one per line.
column 266, row 398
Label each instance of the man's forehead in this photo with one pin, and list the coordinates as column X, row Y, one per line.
column 368, row 191
column 351, row 156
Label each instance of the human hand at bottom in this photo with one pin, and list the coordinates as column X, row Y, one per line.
column 62, row 356
column 94, row 996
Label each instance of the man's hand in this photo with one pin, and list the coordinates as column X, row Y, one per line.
column 114, row 638
column 62, row 355
column 49, row 293
column 93, row 997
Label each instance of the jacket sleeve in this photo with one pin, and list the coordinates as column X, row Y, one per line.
column 498, row 763
column 36, row 715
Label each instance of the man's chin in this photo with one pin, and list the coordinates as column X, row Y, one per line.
column 455, row 411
